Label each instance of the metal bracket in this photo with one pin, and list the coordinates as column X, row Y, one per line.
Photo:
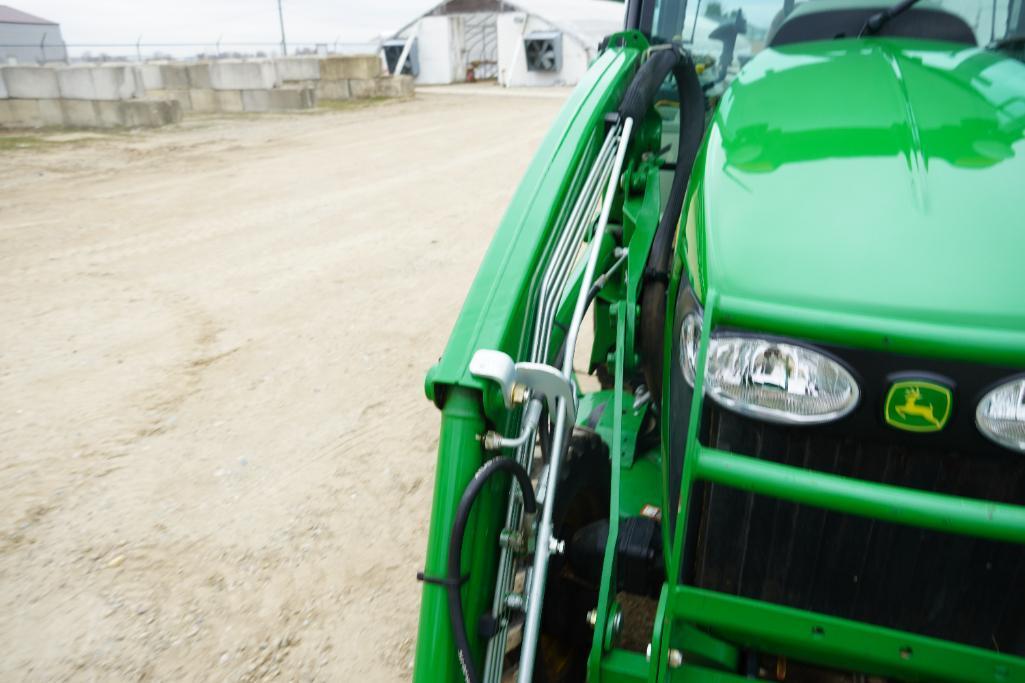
column 542, row 380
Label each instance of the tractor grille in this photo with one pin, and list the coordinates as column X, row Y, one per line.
column 941, row 585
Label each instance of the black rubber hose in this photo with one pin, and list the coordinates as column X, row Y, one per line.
column 641, row 92
column 653, row 293
column 455, row 550
column 544, row 435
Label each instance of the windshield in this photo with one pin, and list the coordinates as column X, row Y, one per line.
column 706, row 26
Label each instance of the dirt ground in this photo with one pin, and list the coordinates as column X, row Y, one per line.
column 216, row 457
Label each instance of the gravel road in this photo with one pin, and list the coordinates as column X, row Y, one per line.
column 215, row 453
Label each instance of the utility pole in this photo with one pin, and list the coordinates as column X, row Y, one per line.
column 281, row 20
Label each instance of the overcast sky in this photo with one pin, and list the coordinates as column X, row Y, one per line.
column 307, row 22
column 234, row 21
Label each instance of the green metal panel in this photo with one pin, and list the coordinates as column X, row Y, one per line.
column 494, row 315
column 623, row 666
column 641, row 482
column 839, row 643
column 952, row 514
column 461, row 422
column 692, row 673
column 867, row 193
column 606, row 594
column 605, row 427
column 702, row 648
column 675, row 554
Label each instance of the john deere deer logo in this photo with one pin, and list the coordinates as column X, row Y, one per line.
column 918, row 406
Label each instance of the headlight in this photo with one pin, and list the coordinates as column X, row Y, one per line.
column 1001, row 414
column 779, row 382
column 768, row 379
column 690, row 341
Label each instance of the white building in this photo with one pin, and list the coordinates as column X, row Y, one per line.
column 522, row 42
column 517, row 42
column 29, row 39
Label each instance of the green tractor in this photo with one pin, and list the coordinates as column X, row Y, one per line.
column 739, row 390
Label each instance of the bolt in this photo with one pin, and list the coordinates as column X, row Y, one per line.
column 519, row 392
column 675, row 659
column 491, row 441
column 617, row 622
column 592, row 618
column 514, row 601
column 556, row 547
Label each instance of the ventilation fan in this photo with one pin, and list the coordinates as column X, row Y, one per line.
column 543, row 50
column 393, row 51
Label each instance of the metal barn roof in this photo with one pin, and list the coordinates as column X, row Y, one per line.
column 587, row 20
column 9, row 15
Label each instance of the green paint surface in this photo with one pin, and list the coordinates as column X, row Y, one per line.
column 868, row 192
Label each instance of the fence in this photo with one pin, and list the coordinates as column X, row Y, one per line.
column 54, row 51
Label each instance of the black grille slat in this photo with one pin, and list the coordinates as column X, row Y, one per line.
column 947, row 586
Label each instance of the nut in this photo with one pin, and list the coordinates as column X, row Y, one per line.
column 556, row 547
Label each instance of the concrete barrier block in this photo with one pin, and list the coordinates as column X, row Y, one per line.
column 80, row 113
column 297, row 69
column 298, row 98
column 76, row 83
column 333, row 90
column 349, row 67
column 118, row 114
column 389, row 86
column 203, row 101
column 278, row 99
column 31, row 82
column 199, row 76
column 284, row 99
column 20, row 114
column 39, row 113
column 108, row 82
column 176, row 77
column 152, row 76
column 139, row 91
column 363, row 88
column 182, row 97
column 149, row 114
column 256, row 100
column 228, row 101
column 51, row 113
column 109, row 114
column 238, row 75
column 385, row 86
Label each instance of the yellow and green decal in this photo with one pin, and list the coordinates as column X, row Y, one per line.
column 918, row 406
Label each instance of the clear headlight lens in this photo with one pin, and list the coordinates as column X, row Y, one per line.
column 690, row 340
column 1001, row 415
column 779, row 382
column 769, row 379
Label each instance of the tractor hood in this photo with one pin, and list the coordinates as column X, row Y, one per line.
column 874, row 185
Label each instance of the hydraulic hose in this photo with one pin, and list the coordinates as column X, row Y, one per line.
column 455, row 550
column 692, row 125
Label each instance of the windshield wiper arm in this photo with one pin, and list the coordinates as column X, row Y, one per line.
column 878, row 20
